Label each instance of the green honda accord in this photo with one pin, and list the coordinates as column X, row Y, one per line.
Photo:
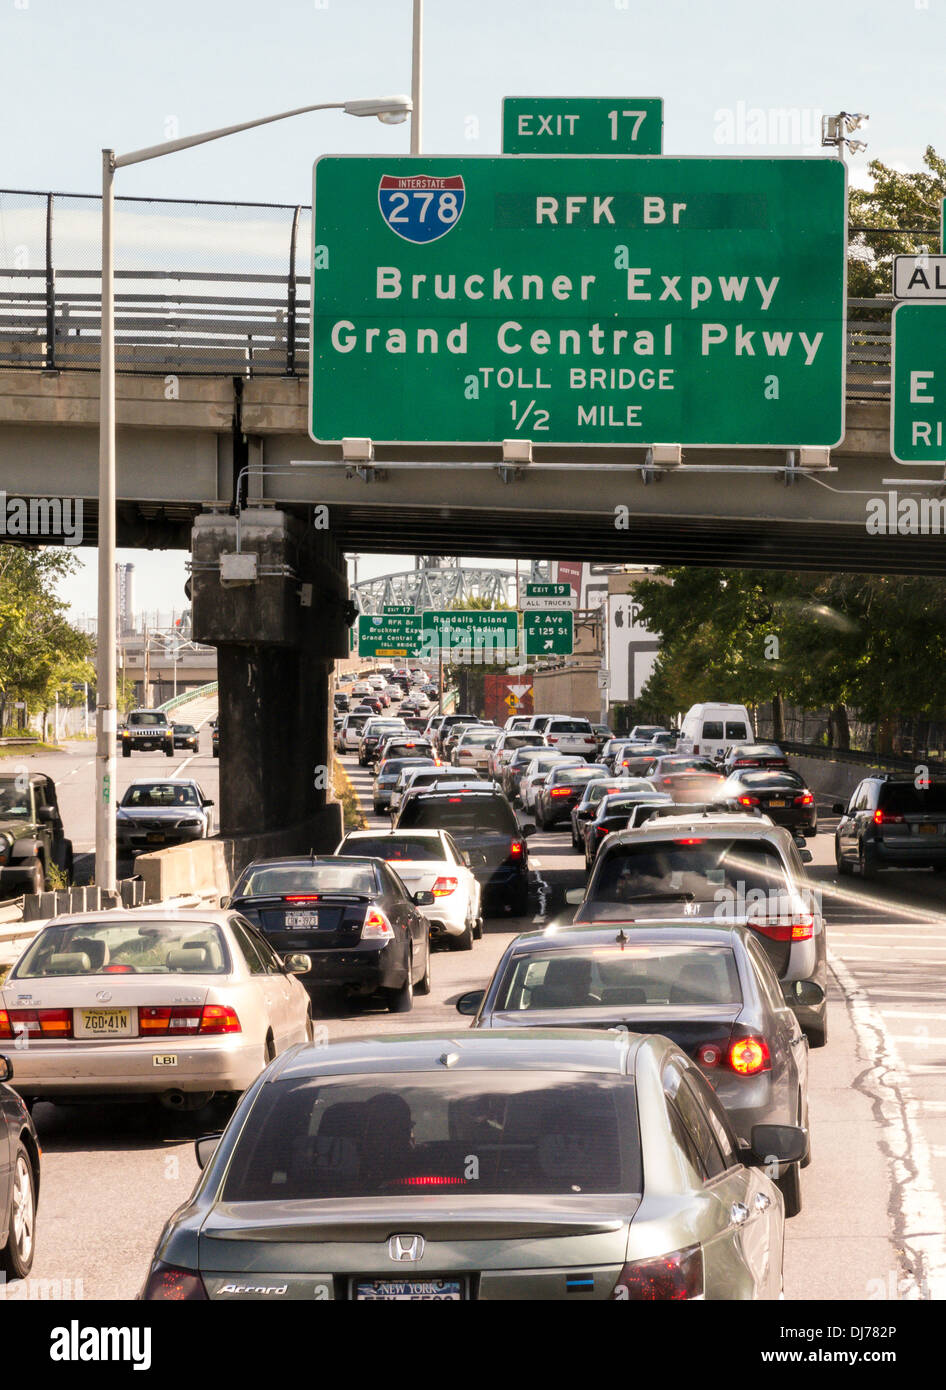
column 546, row 1164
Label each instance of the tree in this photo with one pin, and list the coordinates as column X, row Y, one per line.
column 895, row 200
column 41, row 652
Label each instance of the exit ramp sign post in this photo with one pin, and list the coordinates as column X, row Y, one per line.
column 918, row 383
column 583, row 125
column 578, row 301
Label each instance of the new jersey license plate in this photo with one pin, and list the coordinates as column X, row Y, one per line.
column 103, row 1023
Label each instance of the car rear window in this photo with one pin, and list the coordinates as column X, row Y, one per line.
column 791, row 781
column 280, row 879
column 356, row 721
column 689, row 867
column 126, row 948
column 736, row 730
column 573, row 775
column 413, row 1135
column 905, row 799
column 405, row 747
column 395, row 847
column 618, row 977
column 568, row 726
column 523, row 740
column 463, row 814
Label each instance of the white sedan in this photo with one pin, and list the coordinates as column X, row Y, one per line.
column 177, row 1005
column 428, row 861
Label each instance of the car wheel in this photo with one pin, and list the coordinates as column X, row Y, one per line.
column 519, row 902
column 844, row 868
column 378, row 810
column 126, row 752
column 868, row 862
column 478, row 927
column 789, row 1184
column 817, row 1033
column 463, row 942
column 423, row 985
column 401, row 1001
column 16, row 1257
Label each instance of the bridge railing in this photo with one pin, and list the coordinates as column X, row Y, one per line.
column 210, row 289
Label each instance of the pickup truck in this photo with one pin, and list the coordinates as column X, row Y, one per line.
column 31, row 834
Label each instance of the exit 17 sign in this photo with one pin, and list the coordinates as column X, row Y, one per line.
column 583, row 125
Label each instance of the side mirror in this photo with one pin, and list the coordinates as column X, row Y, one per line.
column 226, row 900
column 205, row 1148
column 527, row 830
column 46, row 813
column 298, row 964
column 208, row 802
column 777, row 1144
column 470, row 1002
column 839, row 808
column 803, row 992
column 575, row 896
column 6, row 1069
column 423, row 899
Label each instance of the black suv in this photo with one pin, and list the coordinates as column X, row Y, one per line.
column 31, row 834
column 147, row 729
column 890, row 822
column 484, row 825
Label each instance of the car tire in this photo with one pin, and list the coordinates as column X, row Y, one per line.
column 169, row 751
column 844, row 868
column 478, row 927
column 817, row 1033
column 401, row 1001
column 378, row 810
column 868, row 862
column 126, row 752
column 37, row 877
column 16, row 1257
column 463, row 942
column 519, row 902
column 789, row 1184
column 423, row 984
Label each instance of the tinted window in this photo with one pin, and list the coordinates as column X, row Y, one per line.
column 697, row 1122
column 337, row 877
column 14, row 802
column 522, row 740
column 462, row 815
column 789, row 780
column 160, row 794
column 904, row 799
column 674, row 868
column 395, row 847
column 718, row 1119
column 399, row 750
column 573, row 776
column 712, row 728
column 569, row 726
column 736, row 730
column 251, row 954
column 146, row 721
column 400, row 1135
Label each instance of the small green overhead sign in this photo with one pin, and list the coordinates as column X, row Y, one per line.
column 583, row 125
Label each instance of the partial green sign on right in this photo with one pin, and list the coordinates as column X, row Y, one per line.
column 918, row 383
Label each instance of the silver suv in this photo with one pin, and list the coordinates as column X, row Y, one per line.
column 720, row 869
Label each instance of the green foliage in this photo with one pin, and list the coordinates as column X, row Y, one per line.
column 895, row 200
column 42, row 654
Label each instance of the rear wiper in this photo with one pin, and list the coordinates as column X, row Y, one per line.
column 661, row 898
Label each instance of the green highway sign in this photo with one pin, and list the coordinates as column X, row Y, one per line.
column 918, row 383
column 549, row 591
column 480, row 629
column 381, row 634
column 398, row 608
column 578, row 301
column 548, row 634
column 583, row 125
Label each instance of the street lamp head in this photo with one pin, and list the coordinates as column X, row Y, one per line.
column 389, row 110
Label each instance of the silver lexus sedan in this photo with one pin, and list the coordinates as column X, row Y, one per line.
column 551, row 1164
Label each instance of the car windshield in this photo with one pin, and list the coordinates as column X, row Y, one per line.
column 392, row 768
column 395, row 847
column 126, row 948
column 411, row 1135
column 184, row 728
column 689, row 867
column 612, row 977
column 14, row 802
column 470, row 814
column 271, row 881
column 154, row 794
column 146, row 720
column 632, row 786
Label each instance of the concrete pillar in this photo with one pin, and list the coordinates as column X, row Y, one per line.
column 275, row 610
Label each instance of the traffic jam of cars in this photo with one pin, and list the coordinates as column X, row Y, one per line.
column 627, row 1116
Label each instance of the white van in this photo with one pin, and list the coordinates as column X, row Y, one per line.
column 708, row 730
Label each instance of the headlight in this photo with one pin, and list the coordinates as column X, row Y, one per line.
column 182, row 824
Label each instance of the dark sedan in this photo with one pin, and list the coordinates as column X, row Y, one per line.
column 777, row 793
column 353, row 918
column 711, row 991
column 185, row 736
column 613, row 813
column 562, row 790
column 586, row 807
column 752, row 755
column 19, row 1173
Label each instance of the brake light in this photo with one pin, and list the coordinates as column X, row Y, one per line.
column 443, row 887
column 749, row 1056
column 515, row 849
column 431, row 1180
column 219, row 1018
column 161, row 1020
column 691, row 840
column 696, row 748
column 560, row 791
column 672, row 1277
column 887, row 818
column 804, row 800
column 801, row 929
column 376, row 926
column 118, row 970
column 36, row 1023
column 169, row 1284
column 300, row 897
column 748, row 801
column 602, row 829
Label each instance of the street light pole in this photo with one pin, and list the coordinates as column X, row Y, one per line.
column 390, row 111
column 417, row 67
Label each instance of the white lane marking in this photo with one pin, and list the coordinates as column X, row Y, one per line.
column 178, row 770
column 895, row 946
column 906, row 1013
column 918, row 1039
column 921, row 1208
column 90, row 763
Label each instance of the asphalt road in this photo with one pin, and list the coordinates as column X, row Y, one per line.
column 873, row 1222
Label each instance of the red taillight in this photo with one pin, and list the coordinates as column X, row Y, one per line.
column 672, row 1277
column 300, row 897
column 376, row 926
column 219, row 1018
column 159, row 1021
column 119, row 970
column 602, row 829
column 805, row 799
column 749, row 1056
column 800, row 929
column 560, row 791
column 551, row 738
column 886, row 818
column 168, row 1284
column 36, row 1023
column 696, row 748
column 748, row 801
column 443, row 887
column 691, row 840
column 515, row 848
column 430, row 1180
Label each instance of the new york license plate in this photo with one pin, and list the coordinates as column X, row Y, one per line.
column 302, row 919
column 409, row 1290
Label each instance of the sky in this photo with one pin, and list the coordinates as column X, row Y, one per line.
column 83, row 74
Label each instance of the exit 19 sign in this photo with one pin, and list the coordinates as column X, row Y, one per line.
column 583, row 125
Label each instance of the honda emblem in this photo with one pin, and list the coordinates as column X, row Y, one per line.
column 406, row 1247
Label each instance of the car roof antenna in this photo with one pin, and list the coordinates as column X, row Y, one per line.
column 621, row 938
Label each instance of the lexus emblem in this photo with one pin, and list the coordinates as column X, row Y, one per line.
column 406, row 1247
column 103, row 995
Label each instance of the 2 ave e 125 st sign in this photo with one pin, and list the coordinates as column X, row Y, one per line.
column 593, row 301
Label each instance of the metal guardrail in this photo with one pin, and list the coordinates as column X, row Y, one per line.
column 889, row 761
column 231, row 304
column 194, row 694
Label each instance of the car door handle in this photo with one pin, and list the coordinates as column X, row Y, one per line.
column 739, row 1213
column 762, row 1201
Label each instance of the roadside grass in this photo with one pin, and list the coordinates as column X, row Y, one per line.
column 26, row 750
column 345, row 793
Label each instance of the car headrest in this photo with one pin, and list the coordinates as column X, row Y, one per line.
column 69, row 963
